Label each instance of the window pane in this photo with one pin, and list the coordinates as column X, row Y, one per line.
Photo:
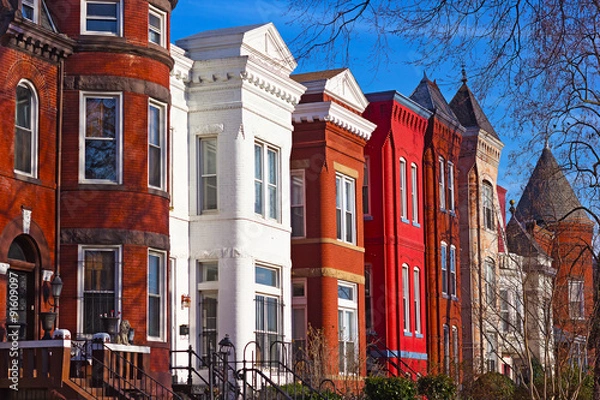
column 102, row 10
column 100, row 159
column 23, row 108
column 345, row 292
column 154, row 166
column 258, row 162
column 266, row 276
column 272, row 202
column 209, row 272
column 272, row 167
column 23, row 150
column 154, row 21
column 101, row 118
column 99, row 270
column 154, row 274
column 209, row 156
column 154, row 125
column 101, row 26
column 154, row 313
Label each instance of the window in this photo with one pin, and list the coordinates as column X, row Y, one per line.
column 100, row 269
column 490, row 350
column 297, row 203
column 518, row 311
column 100, row 161
column 208, row 174
column 345, row 208
column 101, row 17
column 490, row 283
column 455, row 354
column 504, row 311
column 451, row 204
column 414, row 194
column 365, row 189
column 208, row 331
column 442, row 184
column 298, row 319
column 576, row 305
column 26, row 130
column 417, row 299
column 488, row 203
column 443, row 260
column 446, row 350
column 406, row 297
column 157, row 159
column 368, row 297
column 156, row 26
column 156, row 295
column 266, row 181
column 403, row 189
column 347, row 328
column 268, row 325
column 267, row 276
column 29, row 10
column 452, row 281
column 208, row 271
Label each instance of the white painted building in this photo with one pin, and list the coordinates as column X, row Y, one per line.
column 230, row 224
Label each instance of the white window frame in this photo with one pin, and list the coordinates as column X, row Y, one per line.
column 118, row 96
column 162, row 295
column 297, row 181
column 33, row 129
column 118, row 17
column 81, row 284
column 406, row 298
column 442, row 183
column 417, row 299
column 269, row 292
column 346, row 308
column 161, row 145
column 444, row 268
column 576, row 299
column 263, row 185
column 204, row 176
column 451, row 198
column 35, row 9
column 161, row 31
column 403, row 191
column 345, row 189
column 452, row 281
column 299, row 305
column 414, row 193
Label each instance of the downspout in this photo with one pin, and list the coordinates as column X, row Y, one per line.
column 58, row 176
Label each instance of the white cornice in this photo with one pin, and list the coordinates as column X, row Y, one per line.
column 336, row 114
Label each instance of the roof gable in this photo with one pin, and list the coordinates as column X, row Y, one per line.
column 262, row 41
column 339, row 84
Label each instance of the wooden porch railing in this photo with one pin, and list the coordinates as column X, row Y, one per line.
column 34, row 364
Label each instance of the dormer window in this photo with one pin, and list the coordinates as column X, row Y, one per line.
column 35, row 11
column 28, row 10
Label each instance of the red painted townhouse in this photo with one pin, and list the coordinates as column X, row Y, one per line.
column 395, row 232
column 443, row 301
column 327, row 167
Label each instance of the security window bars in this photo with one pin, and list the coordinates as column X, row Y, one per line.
column 268, row 326
column 208, row 317
column 100, row 274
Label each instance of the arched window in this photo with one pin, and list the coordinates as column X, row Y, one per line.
column 487, row 198
column 26, row 111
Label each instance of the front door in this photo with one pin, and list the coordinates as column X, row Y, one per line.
column 21, row 287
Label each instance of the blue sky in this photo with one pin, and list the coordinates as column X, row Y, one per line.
column 193, row 16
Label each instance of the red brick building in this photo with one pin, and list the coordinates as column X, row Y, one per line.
column 443, row 140
column 394, row 230
column 327, row 166
column 32, row 54
column 87, row 136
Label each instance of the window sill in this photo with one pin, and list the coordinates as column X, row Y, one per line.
column 406, row 221
column 367, row 217
column 27, row 178
column 416, row 224
column 407, row 333
column 419, row 335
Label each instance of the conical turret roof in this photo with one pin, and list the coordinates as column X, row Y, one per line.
column 548, row 196
column 469, row 112
column 428, row 95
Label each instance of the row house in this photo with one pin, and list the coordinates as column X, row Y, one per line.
column 85, row 94
column 231, row 237
column 394, row 231
column 328, row 251
column 443, row 140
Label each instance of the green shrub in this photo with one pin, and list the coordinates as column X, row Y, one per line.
column 490, row 386
column 437, row 387
column 301, row 392
column 394, row 388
